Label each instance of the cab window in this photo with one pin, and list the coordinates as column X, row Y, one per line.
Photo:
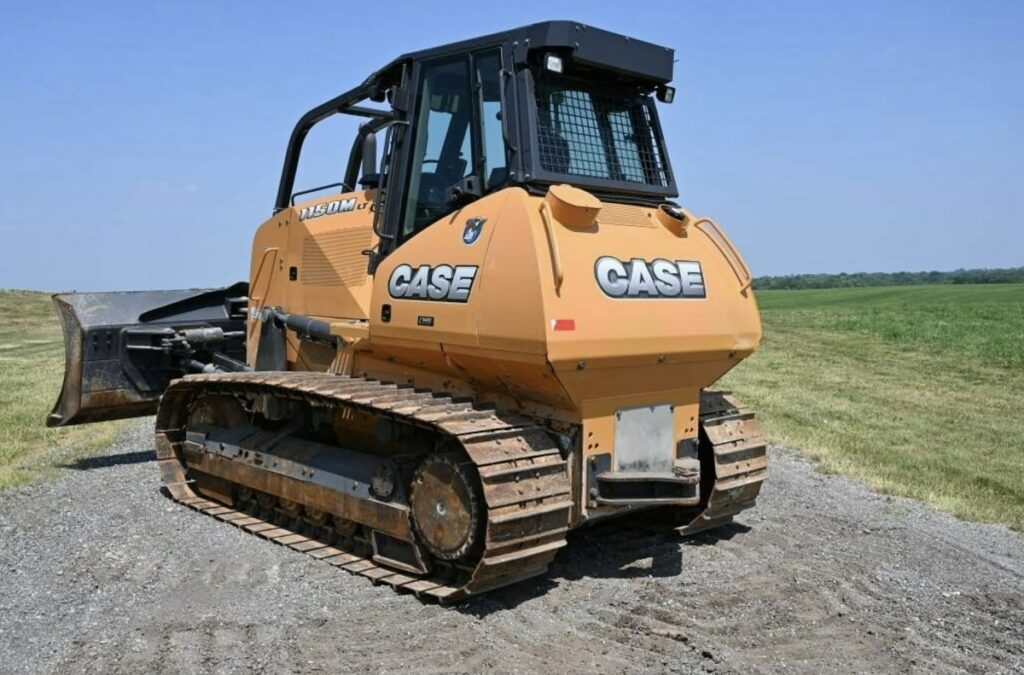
column 442, row 153
column 487, row 71
column 457, row 134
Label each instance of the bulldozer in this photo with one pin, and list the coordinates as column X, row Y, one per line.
column 495, row 328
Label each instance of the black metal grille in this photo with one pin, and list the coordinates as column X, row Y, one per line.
column 586, row 130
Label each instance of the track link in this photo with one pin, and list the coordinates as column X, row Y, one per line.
column 524, row 478
column 740, row 463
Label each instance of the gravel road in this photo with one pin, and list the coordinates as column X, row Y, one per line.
column 102, row 573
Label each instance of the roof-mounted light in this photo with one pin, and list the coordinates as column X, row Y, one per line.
column 666, row 94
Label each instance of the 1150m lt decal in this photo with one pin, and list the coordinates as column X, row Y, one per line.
column 443, row 283
column 638, row 278
column 330, row 208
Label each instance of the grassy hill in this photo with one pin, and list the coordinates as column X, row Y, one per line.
column 31, row 368
column 917, row 390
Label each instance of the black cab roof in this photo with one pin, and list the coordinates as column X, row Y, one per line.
column 584, row 44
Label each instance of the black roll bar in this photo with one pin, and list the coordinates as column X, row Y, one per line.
column 344, row 104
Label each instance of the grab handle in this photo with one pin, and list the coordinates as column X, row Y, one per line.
column 556, row 259
column 718, row 239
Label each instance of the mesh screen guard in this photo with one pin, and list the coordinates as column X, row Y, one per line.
column 591, row 129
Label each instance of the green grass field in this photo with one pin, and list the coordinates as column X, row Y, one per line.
column 31, row 368
column 916, row 390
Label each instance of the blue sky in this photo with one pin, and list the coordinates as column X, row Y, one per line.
column 141, row 143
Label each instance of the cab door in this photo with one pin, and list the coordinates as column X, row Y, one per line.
column 424, row 287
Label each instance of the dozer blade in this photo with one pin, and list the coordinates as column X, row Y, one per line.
column 123, row 349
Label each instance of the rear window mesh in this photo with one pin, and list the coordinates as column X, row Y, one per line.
column 586, row 130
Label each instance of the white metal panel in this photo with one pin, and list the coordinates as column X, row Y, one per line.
column 645, row 438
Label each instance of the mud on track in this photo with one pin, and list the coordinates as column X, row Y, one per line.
column 104, row 573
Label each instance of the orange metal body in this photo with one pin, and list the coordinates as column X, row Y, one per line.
column 537, row 333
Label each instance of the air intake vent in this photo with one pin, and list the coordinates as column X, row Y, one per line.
column 622, row 214
column 335, row 258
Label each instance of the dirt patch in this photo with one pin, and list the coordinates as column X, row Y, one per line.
column 103, row 573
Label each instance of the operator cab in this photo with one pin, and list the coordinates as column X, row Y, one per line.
column 554, row 102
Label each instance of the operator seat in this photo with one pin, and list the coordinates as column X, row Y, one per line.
column 554, row 150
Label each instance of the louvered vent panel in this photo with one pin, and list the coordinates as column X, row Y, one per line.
column 622, row 214
column 335, row 258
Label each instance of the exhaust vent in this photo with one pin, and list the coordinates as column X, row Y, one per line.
column 335, row 258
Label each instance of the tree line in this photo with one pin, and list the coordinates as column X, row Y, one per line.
column 1006, row 275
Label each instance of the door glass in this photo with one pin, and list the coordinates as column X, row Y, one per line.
column 488, row 78
column 442, row 154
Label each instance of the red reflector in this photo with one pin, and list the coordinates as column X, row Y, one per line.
column 563, row 324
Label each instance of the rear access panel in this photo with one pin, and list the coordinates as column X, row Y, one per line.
column 645, row 439
column 643, row 472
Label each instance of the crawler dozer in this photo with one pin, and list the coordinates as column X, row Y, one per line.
column 495, row 328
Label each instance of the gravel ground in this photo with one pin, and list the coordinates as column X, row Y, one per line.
column 103, row 573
